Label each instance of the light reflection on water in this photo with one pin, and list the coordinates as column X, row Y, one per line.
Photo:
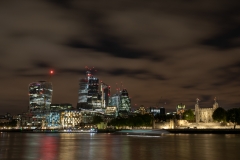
column 68, row 146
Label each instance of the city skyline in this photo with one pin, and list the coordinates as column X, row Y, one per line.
column 163, row 53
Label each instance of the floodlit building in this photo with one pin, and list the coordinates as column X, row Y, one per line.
column 40, row 96
column 141, row 110
column 180, row 109
column 205, row 114
column 70, row 118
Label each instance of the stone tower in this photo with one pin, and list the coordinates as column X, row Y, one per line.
column 215, row 105
column 197, row 111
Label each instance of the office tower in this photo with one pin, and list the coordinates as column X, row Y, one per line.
column 125, row 101
column 105, row 93
column 93, row 94
column 40, row 96
column 162, row 111
column 114, row 100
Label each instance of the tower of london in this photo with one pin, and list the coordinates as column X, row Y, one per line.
column 205, row 114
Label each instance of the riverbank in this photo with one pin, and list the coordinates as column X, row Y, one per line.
column 172, row 131
column 204, row 131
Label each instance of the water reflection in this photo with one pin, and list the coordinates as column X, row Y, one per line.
column 62, row 146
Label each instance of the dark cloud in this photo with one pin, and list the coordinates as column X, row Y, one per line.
column 188, row 87
column 225, row 40
column 137, row 74
column 72, row 71
column 227, row 27
column 227, row 74
column 115, row 47
column 32, row 75
column 62, row 3
column 42, row 65
column 206, row 98
column 22, row 70
column 106, row 41
column 121, row 71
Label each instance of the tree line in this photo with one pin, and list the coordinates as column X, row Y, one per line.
column 137, row 120
column 219, row 115
column 231, row 115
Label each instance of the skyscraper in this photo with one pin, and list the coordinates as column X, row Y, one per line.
column 125, row 101
column 105, row 93
column 92, row 94
column 40, row 96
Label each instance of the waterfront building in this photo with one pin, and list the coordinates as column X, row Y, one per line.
column 54, row 118
column 205, row 114
column 70, row 118
column 4, row 119
column 40, row 99
column 40, row 96
column 87, row 116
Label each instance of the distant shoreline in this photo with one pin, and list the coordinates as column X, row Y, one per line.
column 204, row 131
column 171, row 131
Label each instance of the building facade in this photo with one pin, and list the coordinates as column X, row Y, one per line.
column 157, row 110
column 40, row 96
column 125, row 101
column 92, row 95
column 205, row 114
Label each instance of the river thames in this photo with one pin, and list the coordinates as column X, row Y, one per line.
column 101, row 146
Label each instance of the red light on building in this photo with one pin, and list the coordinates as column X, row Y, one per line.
column 51, row 72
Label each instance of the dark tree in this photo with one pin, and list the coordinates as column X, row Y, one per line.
column 219, row 115
column 133, row 121
column 147, row 119
column 170, row 116
column 233, row 115
column 97, row 119
column 160, row 117
column 188, row 115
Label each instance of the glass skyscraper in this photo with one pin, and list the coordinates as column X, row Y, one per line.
column 121, row 101
column 125, row 102
column 40, row 96
column 92, row 94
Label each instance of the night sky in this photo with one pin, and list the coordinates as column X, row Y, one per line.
column 164, row 53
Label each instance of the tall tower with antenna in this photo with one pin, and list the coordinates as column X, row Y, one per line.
column 92, row 94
